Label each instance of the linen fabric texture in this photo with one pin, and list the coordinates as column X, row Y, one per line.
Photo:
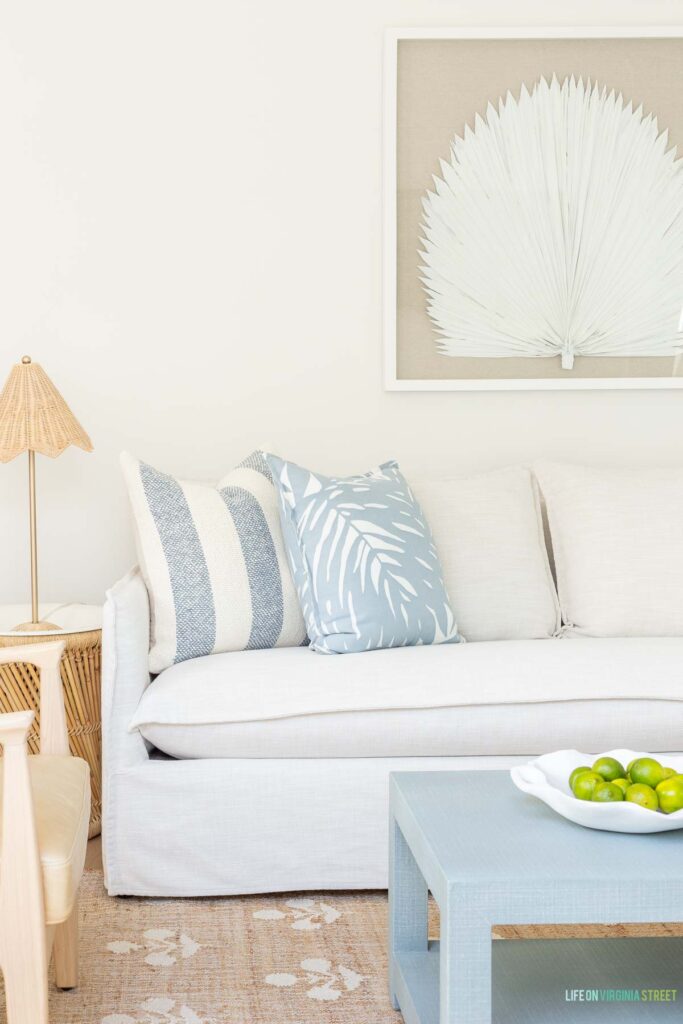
column 489, row 698
column 618, row 544
column 209, row 826
column 488, row 530
column 363, row 560
column 213, row 561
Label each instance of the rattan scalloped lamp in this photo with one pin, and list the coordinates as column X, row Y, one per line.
column 35, row 418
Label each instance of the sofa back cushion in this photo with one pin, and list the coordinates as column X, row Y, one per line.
column 617, row 539
column 213, row 561
column 363, row 559
column 488, row 531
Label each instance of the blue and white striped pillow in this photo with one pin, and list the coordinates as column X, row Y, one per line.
column 214, row 562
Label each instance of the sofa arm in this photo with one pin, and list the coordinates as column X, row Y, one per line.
column 125, row 672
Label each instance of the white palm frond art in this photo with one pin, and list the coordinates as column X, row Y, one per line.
column 556, row 229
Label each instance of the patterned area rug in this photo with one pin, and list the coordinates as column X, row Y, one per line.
column 292, row 959
column 243, row 960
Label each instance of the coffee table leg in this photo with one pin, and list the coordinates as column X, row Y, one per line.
column 408, row 907
column 465, row 966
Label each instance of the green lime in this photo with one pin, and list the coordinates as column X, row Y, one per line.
column 643, row 795
column 647, row 772
column 577, row 771
column 630, row 765
column 670, row 794
column 607, row 793
column 585, row 783
column 609, row 768
column 669, row 772
column 623, row 784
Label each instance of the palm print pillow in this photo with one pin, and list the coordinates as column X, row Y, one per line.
column 363, row 559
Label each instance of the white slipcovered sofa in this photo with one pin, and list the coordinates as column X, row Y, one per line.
column 267, row 770
column 273, row 775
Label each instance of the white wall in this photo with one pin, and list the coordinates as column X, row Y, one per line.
column 190, row 244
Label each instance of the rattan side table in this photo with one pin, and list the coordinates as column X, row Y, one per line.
column 82, row 633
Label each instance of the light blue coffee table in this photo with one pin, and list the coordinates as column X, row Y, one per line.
column 491, row 855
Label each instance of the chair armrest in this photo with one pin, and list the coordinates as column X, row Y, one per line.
column 125, row 672
column 15, row 727
column 22, row 908
column 54, row 738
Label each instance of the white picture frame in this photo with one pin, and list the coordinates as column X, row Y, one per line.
column 392, row 382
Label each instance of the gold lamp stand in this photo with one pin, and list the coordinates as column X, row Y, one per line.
column 35, row 418
column 35, row 625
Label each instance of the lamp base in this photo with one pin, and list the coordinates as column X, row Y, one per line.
column 37, row 627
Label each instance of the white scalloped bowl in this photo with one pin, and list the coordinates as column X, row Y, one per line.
column 547, row 779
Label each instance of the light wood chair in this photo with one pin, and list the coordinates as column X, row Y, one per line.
column 45, row 813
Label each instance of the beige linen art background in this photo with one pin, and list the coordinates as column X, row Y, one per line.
column 441, row 85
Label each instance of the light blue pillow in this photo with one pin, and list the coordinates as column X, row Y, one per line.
column 363, row 560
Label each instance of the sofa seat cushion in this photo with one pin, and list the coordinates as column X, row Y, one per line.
column 507, row 697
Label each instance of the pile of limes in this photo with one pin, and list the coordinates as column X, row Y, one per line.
column 645, row 782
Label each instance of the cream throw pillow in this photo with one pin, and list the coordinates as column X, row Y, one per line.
column 618, row 544
column 488, row 532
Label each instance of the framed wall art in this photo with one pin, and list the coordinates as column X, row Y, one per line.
column 533, row 209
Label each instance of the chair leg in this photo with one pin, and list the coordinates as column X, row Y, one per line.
column 24, row 938
column 26, row 983
column 66, row 951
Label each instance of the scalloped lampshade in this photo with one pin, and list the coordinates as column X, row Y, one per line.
column 35, row 418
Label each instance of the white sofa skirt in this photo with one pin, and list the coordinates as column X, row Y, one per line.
column 222, row 827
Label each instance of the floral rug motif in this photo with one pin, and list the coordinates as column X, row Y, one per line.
column 276, row 959
column 299, row 958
